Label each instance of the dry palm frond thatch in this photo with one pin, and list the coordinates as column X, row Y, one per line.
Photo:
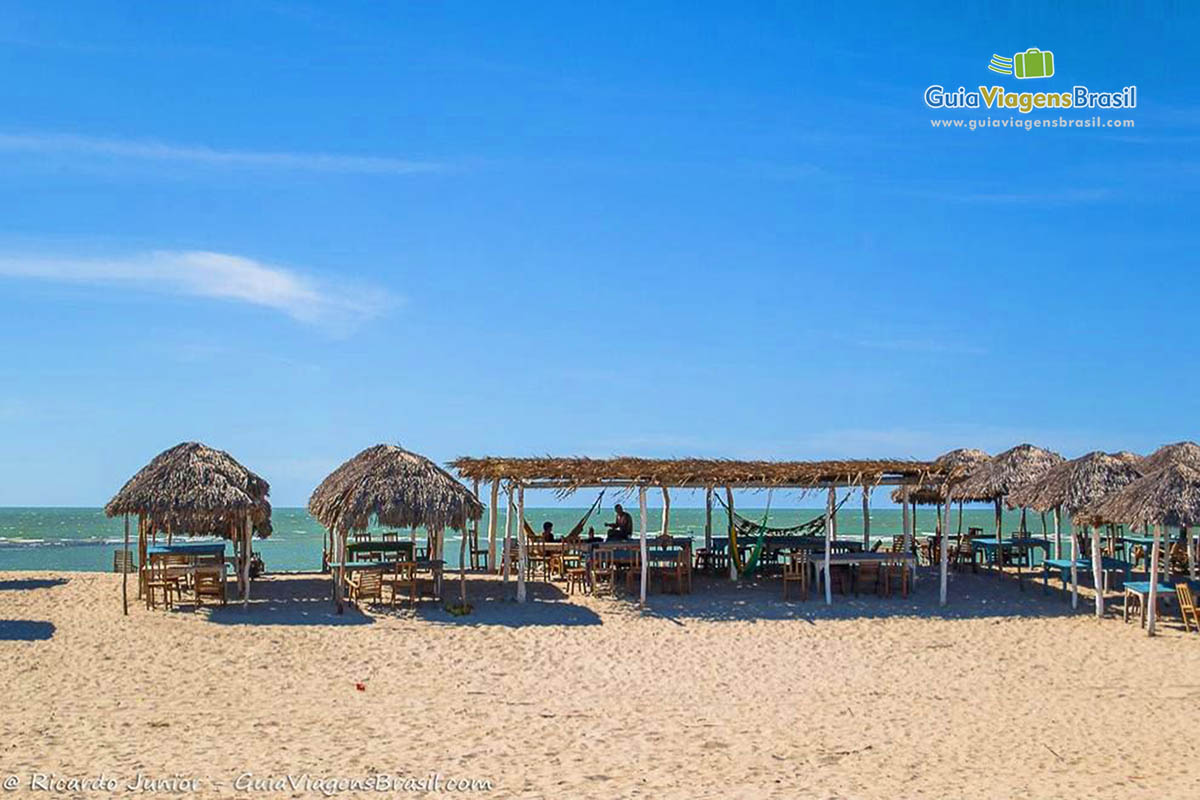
column 955, row 467
column 573, row 473
column 1169, row 496
column 1007, row 471
column 1076, row 483
column 193, row 489
column 400, row 489
column 1187, row 453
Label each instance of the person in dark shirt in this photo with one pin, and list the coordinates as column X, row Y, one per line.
column 622, row 528
column 547, row 531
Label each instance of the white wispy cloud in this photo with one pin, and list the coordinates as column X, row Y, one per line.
column 219, row 276
column 147, row 150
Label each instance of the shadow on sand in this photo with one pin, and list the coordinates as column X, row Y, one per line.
column 292, row 601
column 495, row 604
column 27, row 584
column 25, row 630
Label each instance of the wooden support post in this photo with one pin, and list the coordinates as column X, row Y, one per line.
column 913, row 538
column 944, row 550
column 729, row 532
column 462, row 563
column 1098, row 571
column 866, row 512
column 1074, row 566
column 493, row 514
column 708, row 494
column 1152, row 600
column 829, row 503
column 509, row 514
column 339, row 552
column 1191, row 551
column 125, row 571
column 522, row 545
column 1058, row 532
column 249, row 525
column 999, row 564
column 905, row 523
column 645, row 554
column 1045, row 529
column 666, row 512
column 1023, row 511
column 833, row 514
column 960, row 517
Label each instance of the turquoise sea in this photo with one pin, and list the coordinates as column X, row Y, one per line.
column 83, row 539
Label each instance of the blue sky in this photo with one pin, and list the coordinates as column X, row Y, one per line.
column 294, row 230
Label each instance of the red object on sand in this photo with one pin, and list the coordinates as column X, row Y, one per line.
column 362, row 687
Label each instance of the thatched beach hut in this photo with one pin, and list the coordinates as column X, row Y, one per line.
column 997, row 477
column 954, row 467
column 1169, row 496
column 1186, row 453
column 192, row 489
column 396, row 488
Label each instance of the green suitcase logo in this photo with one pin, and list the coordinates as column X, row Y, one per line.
column 1033, row 63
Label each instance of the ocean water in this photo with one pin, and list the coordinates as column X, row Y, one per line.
column 83, row 539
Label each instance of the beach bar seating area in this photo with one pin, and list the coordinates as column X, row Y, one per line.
column 190, row 490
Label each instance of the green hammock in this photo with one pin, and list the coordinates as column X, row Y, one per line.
column 578, row 529
column 761, row 531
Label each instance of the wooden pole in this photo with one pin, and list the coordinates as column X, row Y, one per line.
column 141, row 554
column 125, row 571
column 1191, row 551
column 999, row 548
column 913, row 538
column 1152, row 611
column 666, row 512
column 462, row 562
column 944, row 550
column 829, row 504
column 1045, row 529
column 509, row 514
column 905, row 522
column 729, row 503
column 708, row 494
column 960, row 517
column 340, row 554
column 645, row 554
column 522, row 545
column 249, row 526
column 1074, row 565
column 833, row 513
column 866, row 512
column 1098, row 571
column 1058, row 532
column 493, row 514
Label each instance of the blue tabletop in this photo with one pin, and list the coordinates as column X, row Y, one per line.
column 188, row 549
column 1085, row 564
column 1143, row 587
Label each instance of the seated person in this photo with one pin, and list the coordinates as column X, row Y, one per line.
column 622, row 528
column 547, row 531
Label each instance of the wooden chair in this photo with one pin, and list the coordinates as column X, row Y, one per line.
column 1187, row 607
column 123, row 562
column 403, row 579
column 897, row 544
column 962, row 554
column 1177, row 559
column 678, row 573
column 867, row 574
column 604, row 571
column 360, row 536
column 480, row 557
column 796, row 569
column 631, row 562
column 209, row 582
column 365, row 585
column 893, row 572
column 158, row 580
column 389, row 536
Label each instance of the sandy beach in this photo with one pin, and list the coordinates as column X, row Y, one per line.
column 729, row 692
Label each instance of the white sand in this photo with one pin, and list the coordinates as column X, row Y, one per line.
column 726, row 693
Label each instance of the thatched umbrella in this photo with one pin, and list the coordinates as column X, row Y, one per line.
column 957, row 466
column 397, row 488
column 994, row 479
column 194, row 489
column 1179, row 453
column 1167, row 497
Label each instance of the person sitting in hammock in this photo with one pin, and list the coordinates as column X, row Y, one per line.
column 547, row 531
column 622, row 528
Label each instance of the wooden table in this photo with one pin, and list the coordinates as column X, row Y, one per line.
column 434, row 566
column 1141, row 590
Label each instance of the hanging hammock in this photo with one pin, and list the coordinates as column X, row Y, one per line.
column 761, row 531
column 578, row 529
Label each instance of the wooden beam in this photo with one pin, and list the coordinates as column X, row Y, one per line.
column 866, row 512
column 509, row 515
column 729, row 533
column 125, row 571
column 829, row 505
column 1098, row 571
column 522, row 545
column 1074, row 566
column 645, row 553
column 666, row 512
column 944, row 551
column 708, row 498
column 246, row 562
column 1152, row 600
column 493, row 520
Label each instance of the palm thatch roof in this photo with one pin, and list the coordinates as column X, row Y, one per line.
column 1179, row 453
column 1169, row 496
column 194, row 489
column 1076, row 483
column 398, row 488
column 1013, row 468
column 955, row 466
column 568, row 474
column 1128, row 457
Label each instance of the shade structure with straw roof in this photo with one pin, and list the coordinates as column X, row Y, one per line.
column 396, row 488
column 1007, row 471
column 1187, row 453
column 193, row 489
column 953, row 467
column 1076, row 483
